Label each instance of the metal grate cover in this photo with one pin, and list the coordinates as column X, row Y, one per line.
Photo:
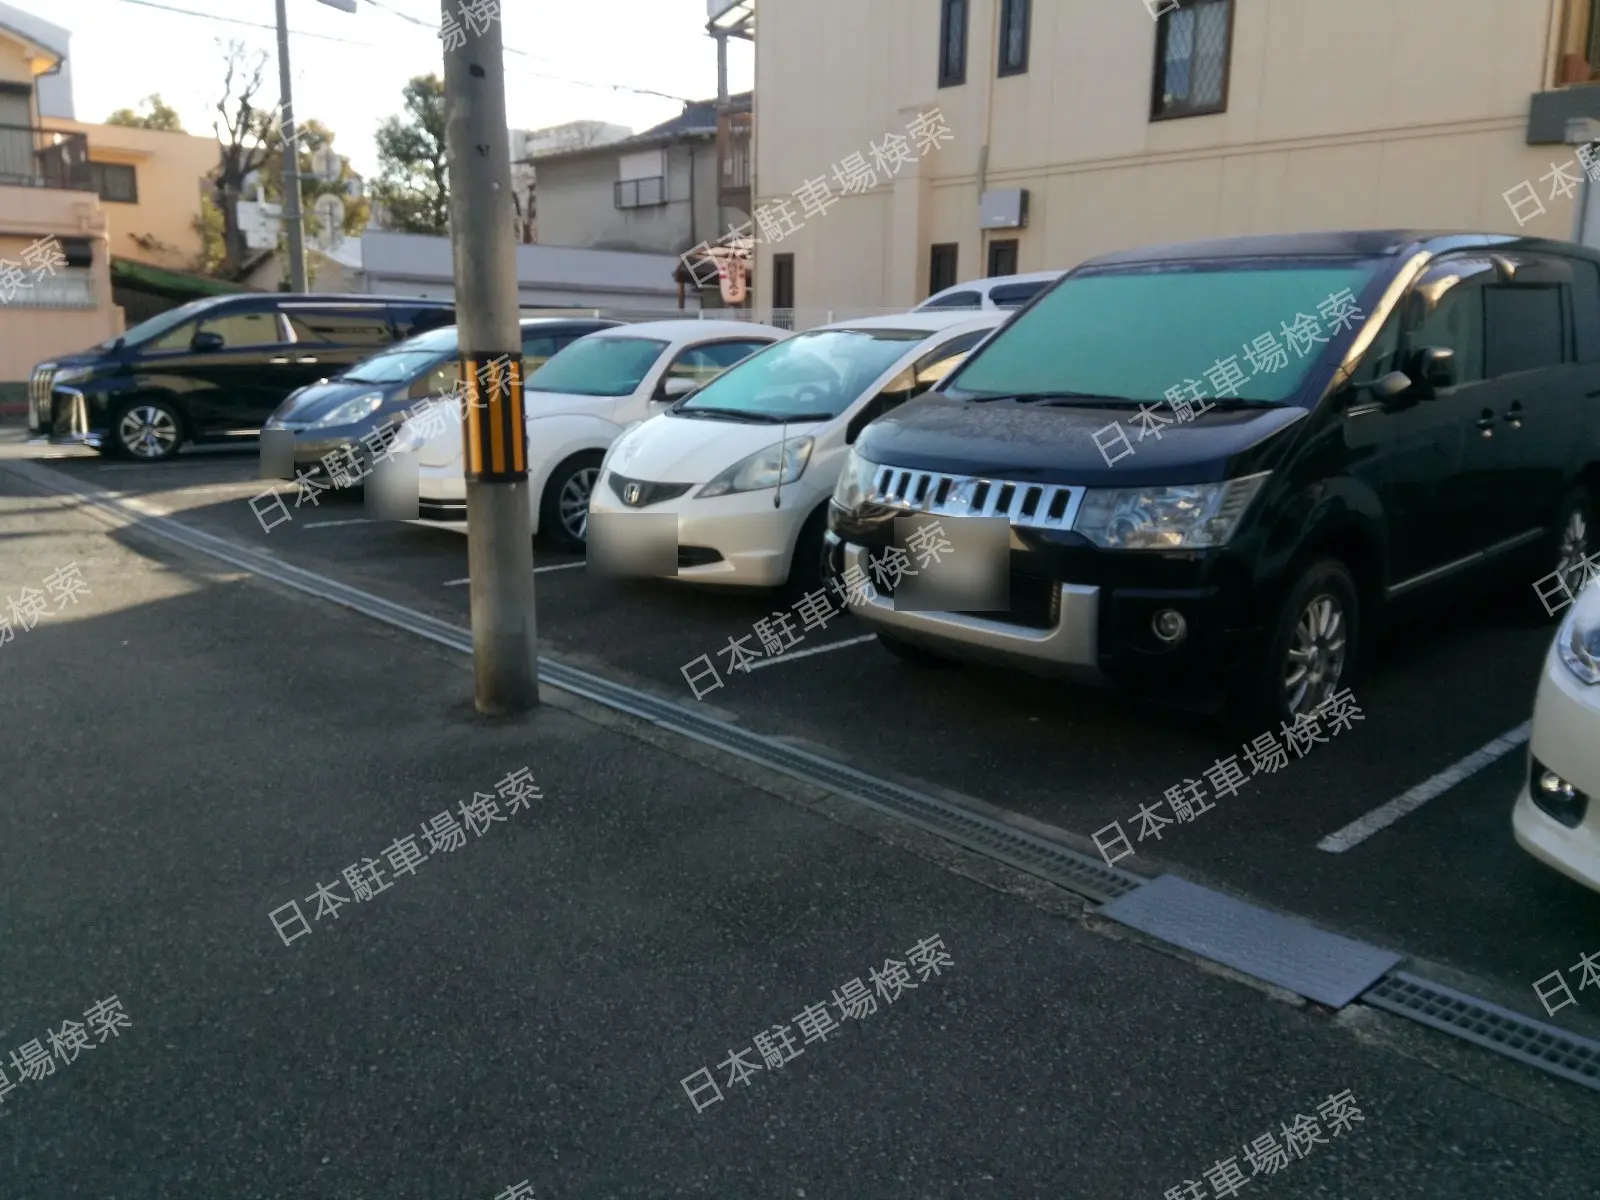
column 1512, row 1034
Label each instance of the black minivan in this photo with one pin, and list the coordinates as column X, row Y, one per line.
column 1220, row 466
column 214, row 368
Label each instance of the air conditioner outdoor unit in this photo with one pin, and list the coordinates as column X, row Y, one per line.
column 1003, row 208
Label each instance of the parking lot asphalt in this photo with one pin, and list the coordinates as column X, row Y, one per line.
column 1446, row 885
column 190, row 747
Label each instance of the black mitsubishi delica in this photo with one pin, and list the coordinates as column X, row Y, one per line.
column 1222, row 465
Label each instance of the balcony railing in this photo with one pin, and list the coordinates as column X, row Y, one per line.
column 734, row 130
column 48, row 158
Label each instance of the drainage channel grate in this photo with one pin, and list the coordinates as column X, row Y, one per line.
column 1039, row 856
column 1499, row 1029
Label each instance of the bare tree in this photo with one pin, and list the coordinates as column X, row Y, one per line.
column 244, row 148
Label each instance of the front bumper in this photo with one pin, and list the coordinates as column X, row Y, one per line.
column 739, row 540
column 1082, row 613
column 74, row 420
column 1566, row 720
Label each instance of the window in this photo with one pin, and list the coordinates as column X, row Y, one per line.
column 598, row 366
column 241, row 329
column 957, row 300
column 440, row 380
column 1132, row 332
column 824, row 371
column 1193, row 44
column 1447, row 312
column 1015, row 295
column 1003, row 257
column 942, row 267
column 537, row 349
column 339, row 326
column 1586, row 309
column 704, row 363
column 410, row 321
column 1014, row 21
column 783, row 281
column 930, row 370
column 1525, row 329
column 115, row 181
column 641, row 193
column 953, row 43
column 392, row 366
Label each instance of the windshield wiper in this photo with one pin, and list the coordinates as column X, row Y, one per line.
column 1062, row 398
column 732, row 414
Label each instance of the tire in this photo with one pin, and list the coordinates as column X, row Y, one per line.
column 805, row 566
column 564, row 508
column 1574, row 534
column 1311, row 650
column 145, row 431
column 908, row 653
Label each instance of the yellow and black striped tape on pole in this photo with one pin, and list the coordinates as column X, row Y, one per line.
column 495, row 439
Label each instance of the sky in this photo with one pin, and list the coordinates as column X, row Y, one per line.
column 122, row 51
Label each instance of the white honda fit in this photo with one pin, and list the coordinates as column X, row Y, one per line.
column 748, row 462
column 575, row 406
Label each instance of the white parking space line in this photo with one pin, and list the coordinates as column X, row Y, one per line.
column 537, row 571
column 783, row 658
column 1408, row 802
column 332, row 524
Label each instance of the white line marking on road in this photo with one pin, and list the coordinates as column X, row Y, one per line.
column 331, row 524
column 1408, row 802
column 537, row 571
column 783, row 658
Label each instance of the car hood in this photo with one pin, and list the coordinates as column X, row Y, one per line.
column 669, row 449
column 319, row 399
column 98, row 359
column 1000, row 439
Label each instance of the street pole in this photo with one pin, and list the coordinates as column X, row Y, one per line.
column 494, row 441
column 291, row 162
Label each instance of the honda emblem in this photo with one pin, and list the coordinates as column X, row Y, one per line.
column 630, row 495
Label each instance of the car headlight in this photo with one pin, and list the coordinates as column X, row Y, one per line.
column 350, row 411
column 1578, row 639
column 1188, row 517
column 71, row 375
column 762, row 469
column 855, row 482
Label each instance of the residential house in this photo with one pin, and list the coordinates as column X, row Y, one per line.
column 653, row 193
column 1077, row 127
column 55, row 266
column 528, row 144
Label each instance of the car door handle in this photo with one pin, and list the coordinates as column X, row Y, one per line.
column 1514, row 415
column 1486, row 422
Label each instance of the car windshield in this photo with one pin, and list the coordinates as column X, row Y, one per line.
column 146, row 331
column 598, row 366
column 1240, row 331
column 399, row 365
column 818, row 374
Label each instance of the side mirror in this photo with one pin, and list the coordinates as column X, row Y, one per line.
column 1390, row 387
column 1434, row 367
column 677, row 388
column 206, row 342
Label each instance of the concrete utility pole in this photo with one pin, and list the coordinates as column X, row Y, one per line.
column 291, row 161
column 494, row 440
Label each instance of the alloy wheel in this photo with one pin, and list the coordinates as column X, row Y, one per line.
column 574, row 502
column 147, row 431
column 1315, row 662
column 1573, row 550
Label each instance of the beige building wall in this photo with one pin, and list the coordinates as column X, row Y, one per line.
column 159, row 228
column 1360, row 113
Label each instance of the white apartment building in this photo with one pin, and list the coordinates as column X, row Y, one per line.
column 1119, row 126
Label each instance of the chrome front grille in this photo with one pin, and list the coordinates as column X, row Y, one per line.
column 39, row 397
column 1034, row 505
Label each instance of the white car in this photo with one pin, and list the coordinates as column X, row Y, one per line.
column 999, row 291
column 792, row 411
column 1556, row 818
column 575, row 406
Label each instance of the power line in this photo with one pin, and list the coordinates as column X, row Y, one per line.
column 189, row 12
column 615, row 87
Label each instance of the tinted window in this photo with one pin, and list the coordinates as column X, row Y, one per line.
column 340, row 326
column 176, row 338
column 704, row 363
column 956, row 300
column 1586, row 309
column 1525, row 329
column 157, row 326
column 245, row 329
column 1139, row 333
column 1015, row 295
column 1447, row 312
column 410, row 320
column 537, row 349
column 929, row 371
column 598, row 366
